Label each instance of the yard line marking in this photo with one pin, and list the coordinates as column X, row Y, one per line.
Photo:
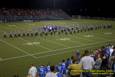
column 39, row 56
column 83, row 39
column 107, row 36
column 6, row 59
column 57, row 43
column 72, row 47
column 108, row 33
column 17, row 57
column 59, row 53
column 0, row 59
column 89, row 39
column 13, row 46
column 39, row 45
column 103, row 36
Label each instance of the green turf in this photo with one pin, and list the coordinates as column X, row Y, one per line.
column 16, row 56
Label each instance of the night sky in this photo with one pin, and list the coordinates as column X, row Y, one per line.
column 83, row 7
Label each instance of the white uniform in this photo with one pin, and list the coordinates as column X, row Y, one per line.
column 111, row 51
column 32, row 71
column 87, row 62
column 51, row 74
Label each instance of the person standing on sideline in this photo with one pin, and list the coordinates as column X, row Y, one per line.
column 32, row 71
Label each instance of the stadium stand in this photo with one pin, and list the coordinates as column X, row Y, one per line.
column 8, row 15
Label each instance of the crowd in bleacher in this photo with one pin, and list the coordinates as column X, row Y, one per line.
column 31, row 14
column 28, row 12
column 102, row 60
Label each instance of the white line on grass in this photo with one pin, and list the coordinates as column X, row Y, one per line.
column 0, row 59
column 60, row 53
column 103, row 37
column 39, row 45
column 107, row 36
column 85, row 45
column 57, row 43
column 13, row 46
column 72, row 47
column 83, row 39
column 89, row 39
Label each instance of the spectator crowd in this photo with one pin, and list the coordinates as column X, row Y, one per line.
column 31, row 14
column 99, row 63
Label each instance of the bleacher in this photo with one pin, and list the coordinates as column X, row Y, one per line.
column 8, row 15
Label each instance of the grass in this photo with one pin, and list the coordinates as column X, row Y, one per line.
column 16, row 55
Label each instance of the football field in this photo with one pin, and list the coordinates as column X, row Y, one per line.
column 17, row 54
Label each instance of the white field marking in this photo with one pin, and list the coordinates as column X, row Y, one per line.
column 57, row 43
column 93, row 35
column 108, row 33
column 17, row 57
column 83, row 39
column 89, row 39
column 13, row 46
column 86, row 45
column 64, row 39
column 32, row 43
column 88, row 35
column 107, row 36
column 60, row 53
column 12, row 25
column 0, row 59
column 102, row 36
column 38, row 53
column 39, row 45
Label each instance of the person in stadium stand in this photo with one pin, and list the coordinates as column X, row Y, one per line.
column 98, row 62
column 113, row 60
column 52, row 73
column 74, row 69
column 63, row 67
column 78, row 56
column 68, row 62
column 87, row 63
column 32, row 71
column 111, row 49
column 42, row 71
column 105, row 58
column 48, row 68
